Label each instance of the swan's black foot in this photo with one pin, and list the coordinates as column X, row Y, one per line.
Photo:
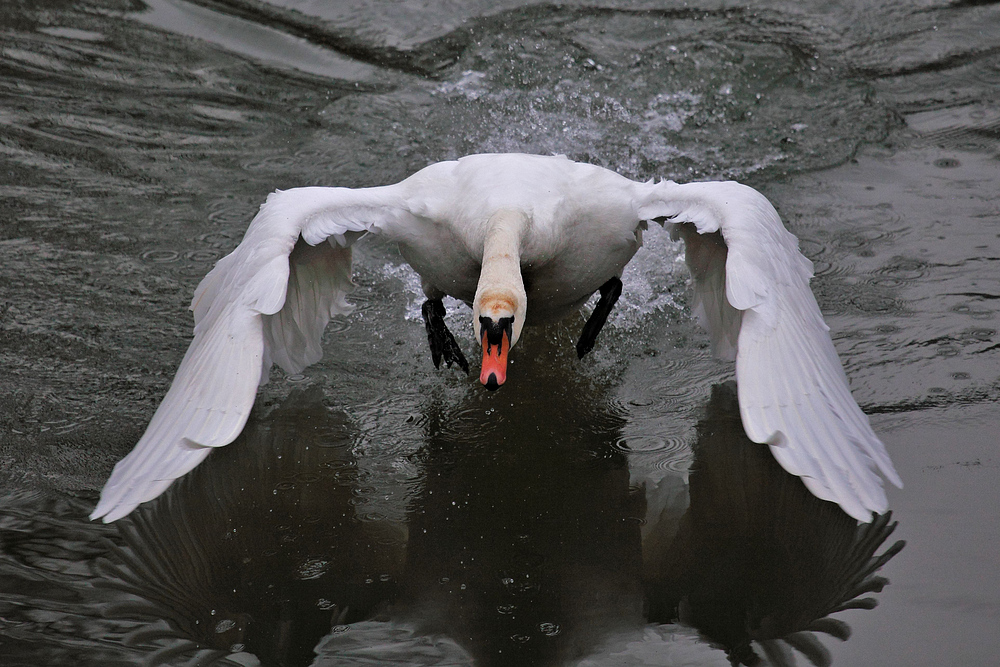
column 443, row 345
column 610, row 291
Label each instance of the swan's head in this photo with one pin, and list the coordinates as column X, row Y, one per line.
column 498, row 318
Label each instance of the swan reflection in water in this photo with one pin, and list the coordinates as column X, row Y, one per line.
column 527, row 544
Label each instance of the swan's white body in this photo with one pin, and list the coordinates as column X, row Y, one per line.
column 270, row 299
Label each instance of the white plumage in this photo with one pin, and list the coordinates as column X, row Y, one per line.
column 577, row 225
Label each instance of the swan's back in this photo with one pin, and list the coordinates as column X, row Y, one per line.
column 581, row 231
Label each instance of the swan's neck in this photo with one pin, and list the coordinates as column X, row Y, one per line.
column 501, row 290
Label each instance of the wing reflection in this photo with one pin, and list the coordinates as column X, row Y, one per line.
column 260, row 550
column 525, row 544
column 757, row 558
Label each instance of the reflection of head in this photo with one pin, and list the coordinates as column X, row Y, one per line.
column 524, row 540
column 259, row 549
column 758, row 558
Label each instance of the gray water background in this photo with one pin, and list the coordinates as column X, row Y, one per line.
column 137, row 140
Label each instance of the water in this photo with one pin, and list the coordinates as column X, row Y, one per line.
column 599, row 512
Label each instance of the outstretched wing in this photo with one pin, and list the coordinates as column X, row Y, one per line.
column 752, row 293
column 268, row 301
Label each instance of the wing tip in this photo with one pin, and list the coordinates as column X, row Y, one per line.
column 111, row 514
column 114, row 504
column 125, row 490
column 885, row 466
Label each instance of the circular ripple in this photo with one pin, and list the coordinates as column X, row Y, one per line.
column 903, row 268
column 217, row 239
column 228, row 214
column 643, row 444
column 812, row 248
column 980, row 335
column 673, row 392
column 160, row 256
column 823, row 268
column 202, row 255
column 889, row 281
column 191, row 271
column 873, row 303
column 549, row 629
column 857, row 239
column 678, row 462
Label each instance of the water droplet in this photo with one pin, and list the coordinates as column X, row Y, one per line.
column 549, row 629
column 313, row 568
column 224, row 625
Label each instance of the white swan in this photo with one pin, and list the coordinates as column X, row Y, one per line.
column 524, row 239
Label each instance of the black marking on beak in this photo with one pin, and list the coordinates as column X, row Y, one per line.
column 492, row 383
column 495, row 330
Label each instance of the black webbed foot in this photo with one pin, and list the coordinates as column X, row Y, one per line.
column 442, row 342
column 610, row 291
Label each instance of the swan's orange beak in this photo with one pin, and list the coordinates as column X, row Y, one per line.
column 494, row 371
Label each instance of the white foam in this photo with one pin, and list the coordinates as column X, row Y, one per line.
column 651, row 280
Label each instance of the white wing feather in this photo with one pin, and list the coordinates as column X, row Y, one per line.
column 793, row 393
column 268, row 301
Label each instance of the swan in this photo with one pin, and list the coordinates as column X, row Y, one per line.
column 524, row 239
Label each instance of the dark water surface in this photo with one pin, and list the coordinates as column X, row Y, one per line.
column 605, row 512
